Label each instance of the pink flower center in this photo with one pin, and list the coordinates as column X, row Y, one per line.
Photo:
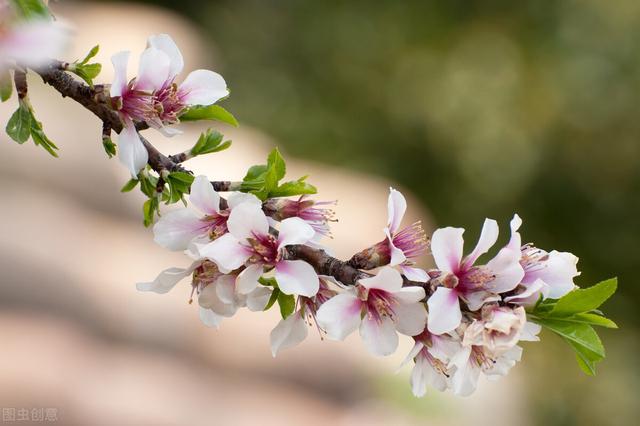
column 216, row 224
column 265, row 249
column 411, row 240
column 168, row 104
column 378, row 304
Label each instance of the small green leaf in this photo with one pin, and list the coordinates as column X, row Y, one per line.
column 287, row 304
column 209, row 142
column 19, row 125
column 93, row 52
column 182, row 177
column 587, row 299
column 6, row 86
column 40, row 138
column 274, row 296
column 32, row 8
column 109, row 146
column 294, row 187
column 211, row 112
column 149, row 209
column 129, row 185
column 276, row 163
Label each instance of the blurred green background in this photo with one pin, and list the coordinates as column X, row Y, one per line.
column 482, row 109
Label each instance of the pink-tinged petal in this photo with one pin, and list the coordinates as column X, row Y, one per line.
column 294, row 231
column 507, row 271
column 131, row 151
column 503, row 364
column 414, row 274
column 465, row 378
column 488, row 237
column 258, row 298
column 209, row 298
column 443, row 347
column 202, row 87
column 247, row 220
column 225, row 288
column 397, row 255
column 516, row 241
column 288, row 333
column 177, row 228
column 166, row 44
column 340, row 315
column 210, row 318
column 396, row 207
column 530, row 331
column 203, row 196
column 297, row 277
column 248, row 279
column 167, row 279
column 33, row 43
column 168, row 131
column 380, row 338
column 226, row 252
column 475, row 299
column 417, row 347
column 444, row 311
column 153, row 71
column 446, row 247
column 387, row 279
column 120, row 61
column 530, row 295
column 409, row 295
column 410, row 319
column 237, row 198
column 557, row 272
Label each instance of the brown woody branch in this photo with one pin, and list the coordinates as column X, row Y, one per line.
column 97, row 101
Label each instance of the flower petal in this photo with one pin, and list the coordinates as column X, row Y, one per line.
column 202, row 87
column 340, row 315
column 516, row 241
column 210, row 299
column 507, row 271
column 258, row 298
column 227, row 252
column 288, row 333
column 558, row 273
column 409, row 294
column 247, row 280
column 203, row 196
column 209, row 318
column 414, row 274
column 444, row 311
column 166, row 44
column 396, row 207
column 417, row 347
column 237, row 198
column 488, row 237
column 387, row 279
column 446, row 247
column 475, row 299
column 379, row 337
column 397, row 255
column 410, row 318
column 176, row 229
column 153, row 71
column 297, row 277
column 294, row 231
column 120, row 61
column 247, row 220
column 167, row 279
column 132, row 152
column 33, row 43
column 465, row 378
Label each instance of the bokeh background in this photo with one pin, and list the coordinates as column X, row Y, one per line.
column 475, row 109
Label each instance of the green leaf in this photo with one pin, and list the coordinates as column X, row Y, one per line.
column 580, row 334
column 19, row 125
column 6, row 86
column 132, row 183
column 93, row 52
column 40, row 138
column 276, row 163
column 287, row 304
column 209, row 142
column 274, row 296
column 187, row 178
column 149, row 209
column 32, row 8
column 211, row 112
column 294, row 187
column 109, row 146
column 594, row 319
column 587, row 299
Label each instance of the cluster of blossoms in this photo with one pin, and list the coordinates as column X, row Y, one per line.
column 465, row 318
column 28, row 43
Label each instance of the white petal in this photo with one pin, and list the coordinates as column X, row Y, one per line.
column 226, row 252
column 340, row 315
column 397, row 255
column 446, row 247
column 465, row 378
column 131, row 151
column 475, row 299
column 237, row 198
column 176, row 229
column 203, row 87
column 380, row 338
column 225, row 288
column 247, row 220
column 387, row 279
column 33, row 43
column 417, row 347
column 294, row 231
column 516, row 241
column 411, row 318
column 444, row 311
column 248, row 279
column 166, row 44
column 396, row 207
column 203, row 196
column 557, row 272
column 414, row 274
column 120, row 80
column 530, row 295
column 258, row 298
column 153, row 71
column 507, row 270
column 297, row 277
column 167, row 279
column 209, row 318
column 288, row 333
column 409, row 294
column 530, row 332
column 209, row 298
column 488, row 237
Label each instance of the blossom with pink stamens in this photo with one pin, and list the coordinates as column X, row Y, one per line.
column 380, row 307
column 318, row 214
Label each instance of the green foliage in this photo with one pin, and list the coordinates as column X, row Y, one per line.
column 109, row 146
column 263, row 180
column 209, row 142
column 30, row 9
column 573, row 316
column 6, row 86
column 84, row 69
column 23, row 124
column 211, row 112
column 286, row 302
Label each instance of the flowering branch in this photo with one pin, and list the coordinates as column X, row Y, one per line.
column 258, row 246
